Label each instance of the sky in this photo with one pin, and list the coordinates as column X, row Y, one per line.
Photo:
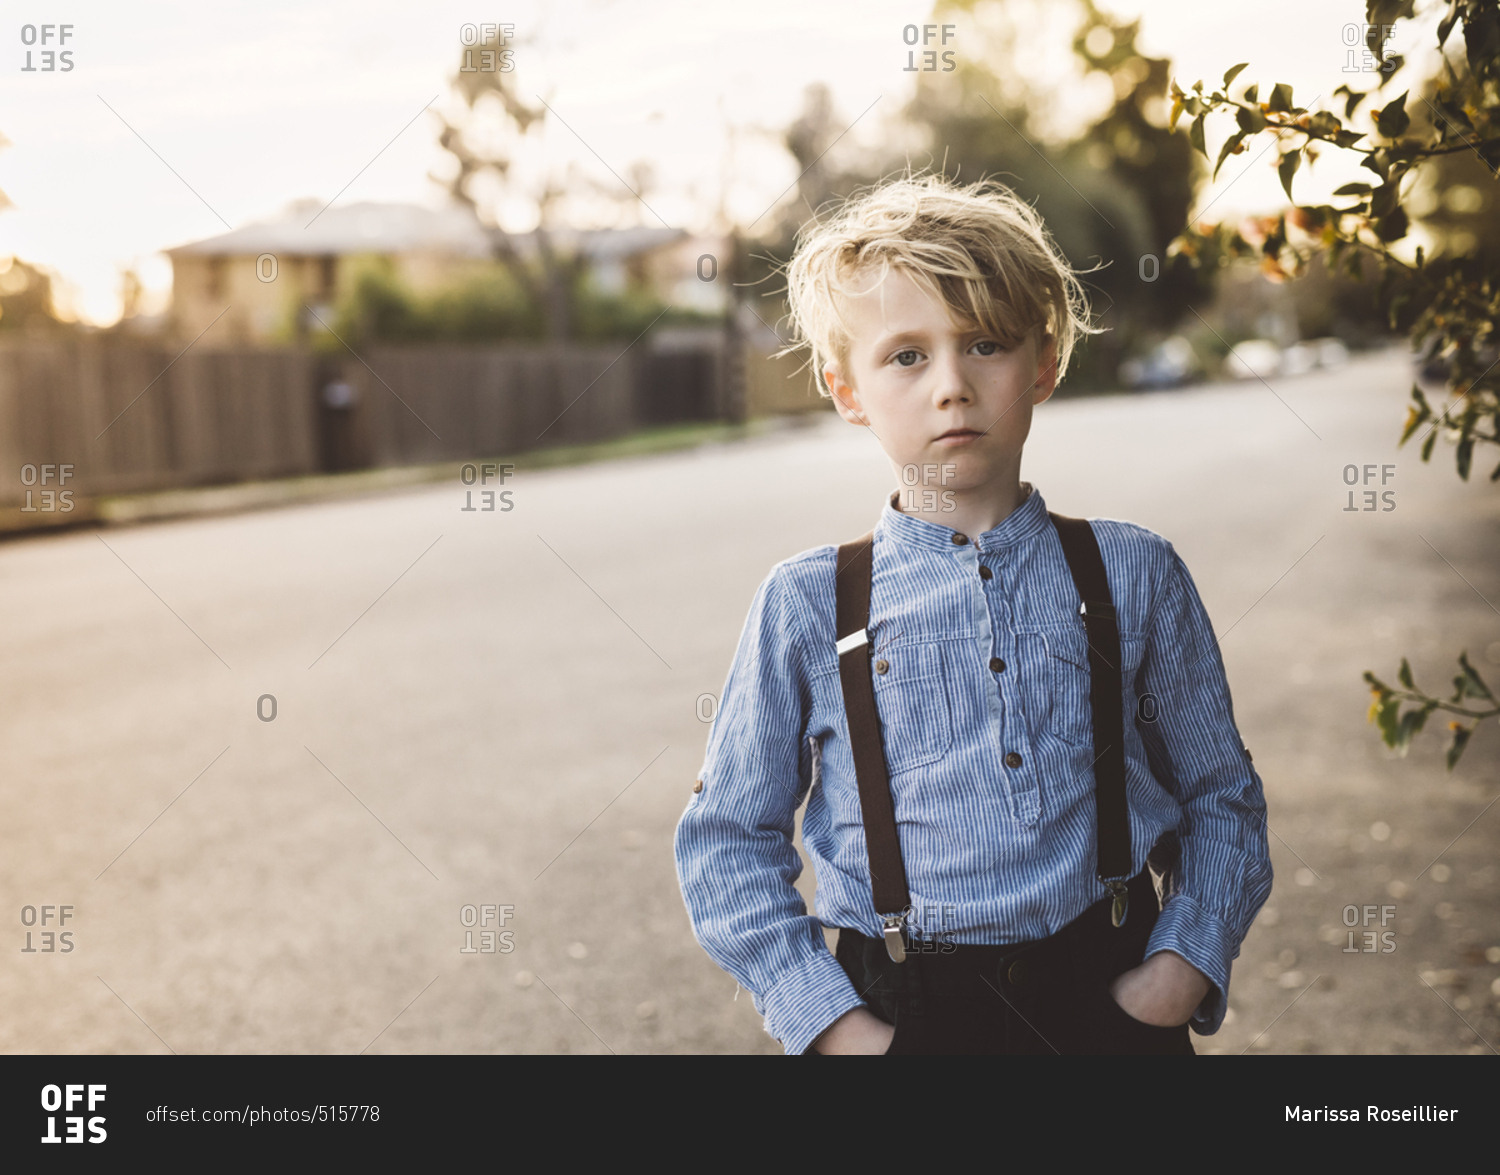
column 181, row 120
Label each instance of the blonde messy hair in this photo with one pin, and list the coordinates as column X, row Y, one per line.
column 981, row 249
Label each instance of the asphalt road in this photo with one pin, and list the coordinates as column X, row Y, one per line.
column 502, row 709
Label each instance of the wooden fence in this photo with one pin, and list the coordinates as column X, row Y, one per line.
column 106, row 416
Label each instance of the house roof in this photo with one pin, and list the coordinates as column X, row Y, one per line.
column 370, row 227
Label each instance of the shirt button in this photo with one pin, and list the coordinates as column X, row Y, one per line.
column 1018, row 972
column 985, row 572
column 697, row 785
column 1012, row 760
column 881, row 666
column 997, row 665
column 960, row 539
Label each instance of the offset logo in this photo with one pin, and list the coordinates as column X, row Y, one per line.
column 47, row 60
column 72, row 1097
column 47, row 941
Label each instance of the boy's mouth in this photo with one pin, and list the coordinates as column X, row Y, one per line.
column 959, row 435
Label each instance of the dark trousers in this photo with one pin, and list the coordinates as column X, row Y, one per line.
column 1047, row 996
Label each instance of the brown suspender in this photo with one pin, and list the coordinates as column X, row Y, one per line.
column 1106, row 694
column 856, row 562
column 852, row 582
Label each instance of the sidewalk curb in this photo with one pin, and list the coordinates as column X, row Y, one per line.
column 205, row 501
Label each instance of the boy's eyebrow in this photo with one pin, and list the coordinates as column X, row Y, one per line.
column 917, row 335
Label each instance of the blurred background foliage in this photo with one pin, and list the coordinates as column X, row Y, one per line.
column 1115, row 193
column 483, row 306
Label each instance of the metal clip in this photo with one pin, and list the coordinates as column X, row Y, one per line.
column 852, row 641
column 1121, row 904
column 891, row 932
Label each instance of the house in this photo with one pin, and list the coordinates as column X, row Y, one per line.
column 265, row 272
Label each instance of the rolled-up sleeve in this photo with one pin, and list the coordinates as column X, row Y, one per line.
column 735, row 859
column 1223, row 873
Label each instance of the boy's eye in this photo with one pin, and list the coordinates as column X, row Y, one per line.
column 994, row 349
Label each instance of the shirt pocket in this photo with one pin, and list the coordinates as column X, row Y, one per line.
column 1070, row 713
column 912, row 698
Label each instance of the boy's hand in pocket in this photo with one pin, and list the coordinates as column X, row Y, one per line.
column 1164, row 990
column 857, row 1031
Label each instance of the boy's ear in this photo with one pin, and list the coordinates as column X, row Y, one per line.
column 845, row 398
column 1046, row 368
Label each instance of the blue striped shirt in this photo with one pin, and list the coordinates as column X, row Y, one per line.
column 979, row 668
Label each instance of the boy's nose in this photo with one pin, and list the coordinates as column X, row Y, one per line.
column 952, row 391
column 949, row 383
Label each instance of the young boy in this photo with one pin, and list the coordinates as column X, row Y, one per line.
column 1034, row 731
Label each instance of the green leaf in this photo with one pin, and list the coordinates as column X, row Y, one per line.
column 1417, row 415
column 1388, row 719
column 1460, row 741
column 1383, row 199
column 1324, row 124
column 1233, row 72
column 1288, row 168
column 1393, row 120
column 1281, row 97
column 1427, row 445
column 1250, row 119
column 1251, row 93
column 1413, row 721
column 1347, row 139
column 1195, row 136
column 1475, row 687
column 1353, row 190
column 1403, row 675
column 1353, row 99
column 1445, row 26
column 1392, row 227
column 1465, row 456
column 1227, row 150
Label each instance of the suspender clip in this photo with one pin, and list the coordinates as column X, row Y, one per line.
column 891, row 932
column 1096, row 608
column 853, row 641
column 1121, row 904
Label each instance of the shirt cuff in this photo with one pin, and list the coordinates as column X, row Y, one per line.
column 807, row 1000
column 1185, row 928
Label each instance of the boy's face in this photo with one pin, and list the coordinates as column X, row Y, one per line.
column 938, row 395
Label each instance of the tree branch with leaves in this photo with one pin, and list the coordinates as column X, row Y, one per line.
column 1447, row 303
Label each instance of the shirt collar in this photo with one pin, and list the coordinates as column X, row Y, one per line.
column 1024, row 522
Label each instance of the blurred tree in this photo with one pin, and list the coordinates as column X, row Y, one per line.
column 810, row 139
column 26, row 298
column 481, row 307
column 1446, row 296
column 485, row 139
column 5, row 201
column 760, row 249
column 25, row 290
column 1114, row 193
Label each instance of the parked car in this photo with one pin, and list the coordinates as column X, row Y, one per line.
column 1253, row 359
column 1169, row 364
